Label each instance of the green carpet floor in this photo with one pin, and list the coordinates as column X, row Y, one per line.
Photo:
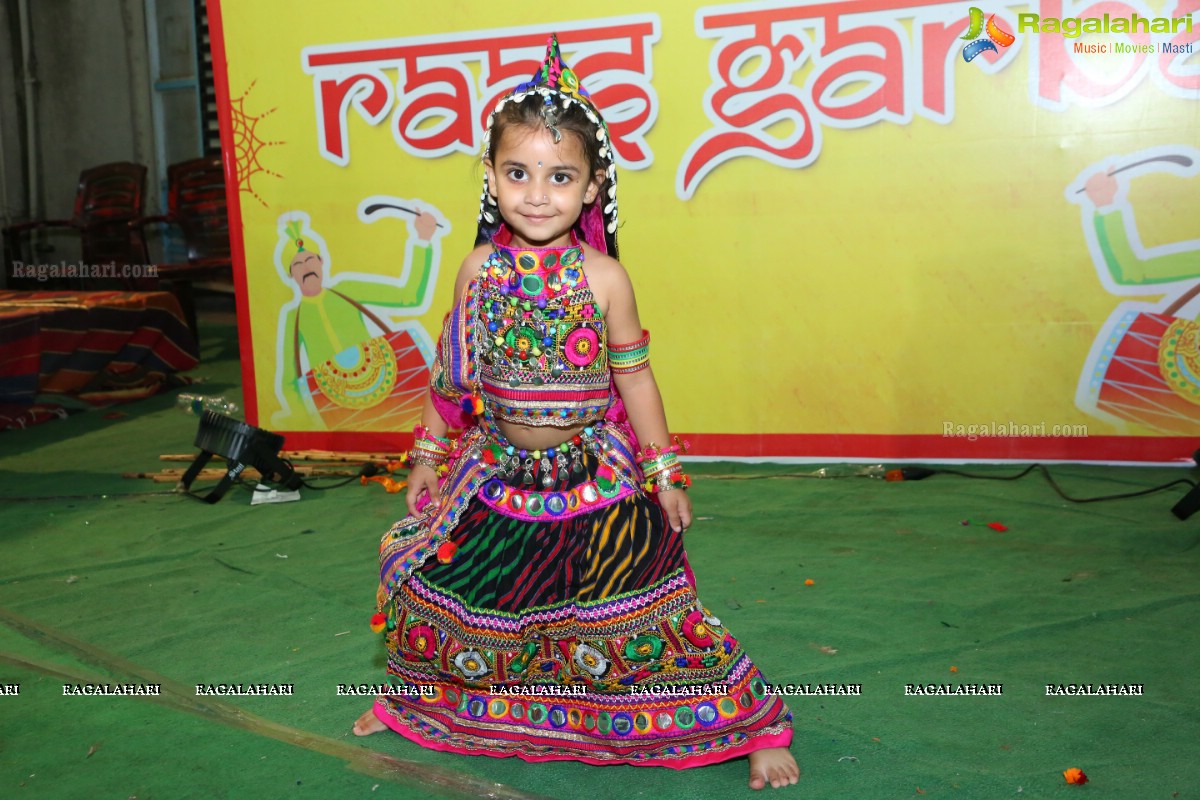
column 103, row 579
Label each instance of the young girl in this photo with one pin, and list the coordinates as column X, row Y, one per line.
column 537, row 601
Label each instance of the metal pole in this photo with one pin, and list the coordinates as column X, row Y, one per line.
column 31, row 126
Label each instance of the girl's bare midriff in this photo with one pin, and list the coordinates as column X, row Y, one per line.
column 541, row 438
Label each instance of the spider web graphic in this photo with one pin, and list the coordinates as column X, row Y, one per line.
column 247, row 146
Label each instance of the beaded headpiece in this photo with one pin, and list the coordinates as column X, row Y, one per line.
column 559, row 88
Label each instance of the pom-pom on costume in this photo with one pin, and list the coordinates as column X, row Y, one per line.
column 545, row 609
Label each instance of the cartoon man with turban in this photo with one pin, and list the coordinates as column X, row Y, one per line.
column 344, row 362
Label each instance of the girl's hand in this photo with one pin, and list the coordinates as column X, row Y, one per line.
column 422, row 480
column 678, row 507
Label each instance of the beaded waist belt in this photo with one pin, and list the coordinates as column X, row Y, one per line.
column 530, row 484
column 537, row 506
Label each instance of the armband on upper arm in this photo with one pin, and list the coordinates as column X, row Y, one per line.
column 626, row 358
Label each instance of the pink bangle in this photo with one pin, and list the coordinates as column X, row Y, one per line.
column 652, row 451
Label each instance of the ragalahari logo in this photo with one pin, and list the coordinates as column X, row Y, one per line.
column 995, row 36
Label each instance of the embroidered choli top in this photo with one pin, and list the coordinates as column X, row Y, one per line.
column 542, row 342
column 525, row 343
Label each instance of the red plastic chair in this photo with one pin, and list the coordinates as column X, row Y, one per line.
column 108, row 198
column 196, row 204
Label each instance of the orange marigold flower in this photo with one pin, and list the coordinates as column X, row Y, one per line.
column 1075, row 776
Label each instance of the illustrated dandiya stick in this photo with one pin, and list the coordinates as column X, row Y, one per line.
column 1170, row 158
column 375, row 208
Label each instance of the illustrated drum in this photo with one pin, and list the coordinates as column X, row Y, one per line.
column 1149, row 372
column 379, row 384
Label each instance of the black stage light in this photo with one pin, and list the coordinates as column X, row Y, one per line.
column 1190, row 503
column 241, row 446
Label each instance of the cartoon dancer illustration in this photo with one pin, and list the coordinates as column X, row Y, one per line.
column 1144, row 366
column 341, row 364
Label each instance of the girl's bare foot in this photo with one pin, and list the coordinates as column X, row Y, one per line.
column 368, row 723
column 775, row 766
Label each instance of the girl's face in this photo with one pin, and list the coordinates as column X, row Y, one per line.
column 540, row 187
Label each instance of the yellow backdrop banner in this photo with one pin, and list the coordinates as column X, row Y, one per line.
column 863, row 229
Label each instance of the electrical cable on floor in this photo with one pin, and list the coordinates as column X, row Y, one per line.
column 1053, row 485
column 920, row 473
column 367, row 471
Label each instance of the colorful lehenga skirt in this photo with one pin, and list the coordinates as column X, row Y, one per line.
column 565, row 626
